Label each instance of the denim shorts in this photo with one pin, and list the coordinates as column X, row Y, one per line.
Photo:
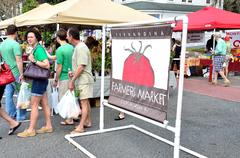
column 39, row 87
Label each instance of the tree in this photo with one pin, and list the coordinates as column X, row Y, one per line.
column 232, row 5
column 29, row 5
column 9, row 8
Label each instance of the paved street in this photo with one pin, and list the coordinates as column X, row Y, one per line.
column 210, row 126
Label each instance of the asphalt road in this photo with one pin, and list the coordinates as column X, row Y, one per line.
column 210, row 126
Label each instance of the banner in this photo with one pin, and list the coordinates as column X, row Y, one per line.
column 140, row 70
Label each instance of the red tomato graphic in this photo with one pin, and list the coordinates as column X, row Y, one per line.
column 137, row 68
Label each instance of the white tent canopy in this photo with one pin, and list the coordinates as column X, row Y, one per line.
column 25, row 16
column 99, row 12
column 87, row 12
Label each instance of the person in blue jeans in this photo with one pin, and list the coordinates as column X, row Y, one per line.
column 11, row 53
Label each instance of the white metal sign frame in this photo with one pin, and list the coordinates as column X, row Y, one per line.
column 176, row 130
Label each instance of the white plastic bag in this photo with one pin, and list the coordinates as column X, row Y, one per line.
column 24, row 96
column 54, row 99
column 68, row 106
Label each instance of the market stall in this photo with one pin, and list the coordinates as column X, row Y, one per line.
column 211, row 19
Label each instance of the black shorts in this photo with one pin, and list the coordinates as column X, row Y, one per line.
column 1, row 94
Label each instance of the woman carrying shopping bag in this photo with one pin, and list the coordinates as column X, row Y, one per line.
column 39, row 87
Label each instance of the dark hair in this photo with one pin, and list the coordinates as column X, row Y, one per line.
column 36, row 32
column 74, row 32
column 91, row 42
column 11, row 29
column 62, row 34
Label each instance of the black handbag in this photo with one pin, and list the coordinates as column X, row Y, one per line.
column 34, row 71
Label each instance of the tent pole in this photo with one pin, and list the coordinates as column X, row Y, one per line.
column 101, row 122
column 214, row 31
column 57, row 26
column 55, row 62
column 180, row 89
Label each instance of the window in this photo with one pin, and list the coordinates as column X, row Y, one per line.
column 183, row 0
column 189, row 1
column 208, row 1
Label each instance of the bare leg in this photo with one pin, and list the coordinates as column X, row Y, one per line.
column 226, row 71
column 46, row 111
column 34, row 113
column 11, row 122
column 215, row 77
column 223, row 76
column 84, row 105
column 88, row 121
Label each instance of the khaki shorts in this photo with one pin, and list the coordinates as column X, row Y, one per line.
column 63, row 88
column 85, row 91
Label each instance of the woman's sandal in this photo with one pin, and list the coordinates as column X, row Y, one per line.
column 65, row 123
column 75, row 131
column 85, row 126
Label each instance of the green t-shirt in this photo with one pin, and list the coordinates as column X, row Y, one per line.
column 64, row 57
column 9, row 49
column 40, row 53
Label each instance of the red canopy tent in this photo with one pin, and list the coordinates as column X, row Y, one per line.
column 210, row 18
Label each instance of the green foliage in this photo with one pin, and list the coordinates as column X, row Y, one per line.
column 47, row 36
column 232, row 5
column 97, row 58
column 200, row 50
column 29, row 5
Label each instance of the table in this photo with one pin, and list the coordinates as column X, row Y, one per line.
column 234, row 66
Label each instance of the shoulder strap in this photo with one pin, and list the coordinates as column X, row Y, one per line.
column 1, row 59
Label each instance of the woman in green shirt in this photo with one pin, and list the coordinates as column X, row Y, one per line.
column 39, row 87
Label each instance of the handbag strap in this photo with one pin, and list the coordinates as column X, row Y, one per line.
column 1, row 59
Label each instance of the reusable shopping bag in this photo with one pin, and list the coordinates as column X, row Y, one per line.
column 68, row 106
column 24, row 96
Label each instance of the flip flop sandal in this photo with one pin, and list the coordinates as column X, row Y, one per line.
column 65, row 123
column 12, row 130
column 75, row 131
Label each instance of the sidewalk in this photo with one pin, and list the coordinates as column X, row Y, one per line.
column 201, row 85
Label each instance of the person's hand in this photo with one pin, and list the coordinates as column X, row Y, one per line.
column 71, row 85
column 21, row 78
column 31, row 58
column 70, row 74
column 55, row 83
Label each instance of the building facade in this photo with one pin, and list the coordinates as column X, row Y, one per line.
column 169, row 8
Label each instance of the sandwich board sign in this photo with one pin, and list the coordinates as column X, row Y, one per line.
column 140, row 70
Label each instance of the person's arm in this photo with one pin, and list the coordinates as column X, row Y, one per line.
column 76, row 74
column 58, row 72
column 20, row 66
column 18, row 56
column 44, row 63
column 173, row 47
column 52, row 57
